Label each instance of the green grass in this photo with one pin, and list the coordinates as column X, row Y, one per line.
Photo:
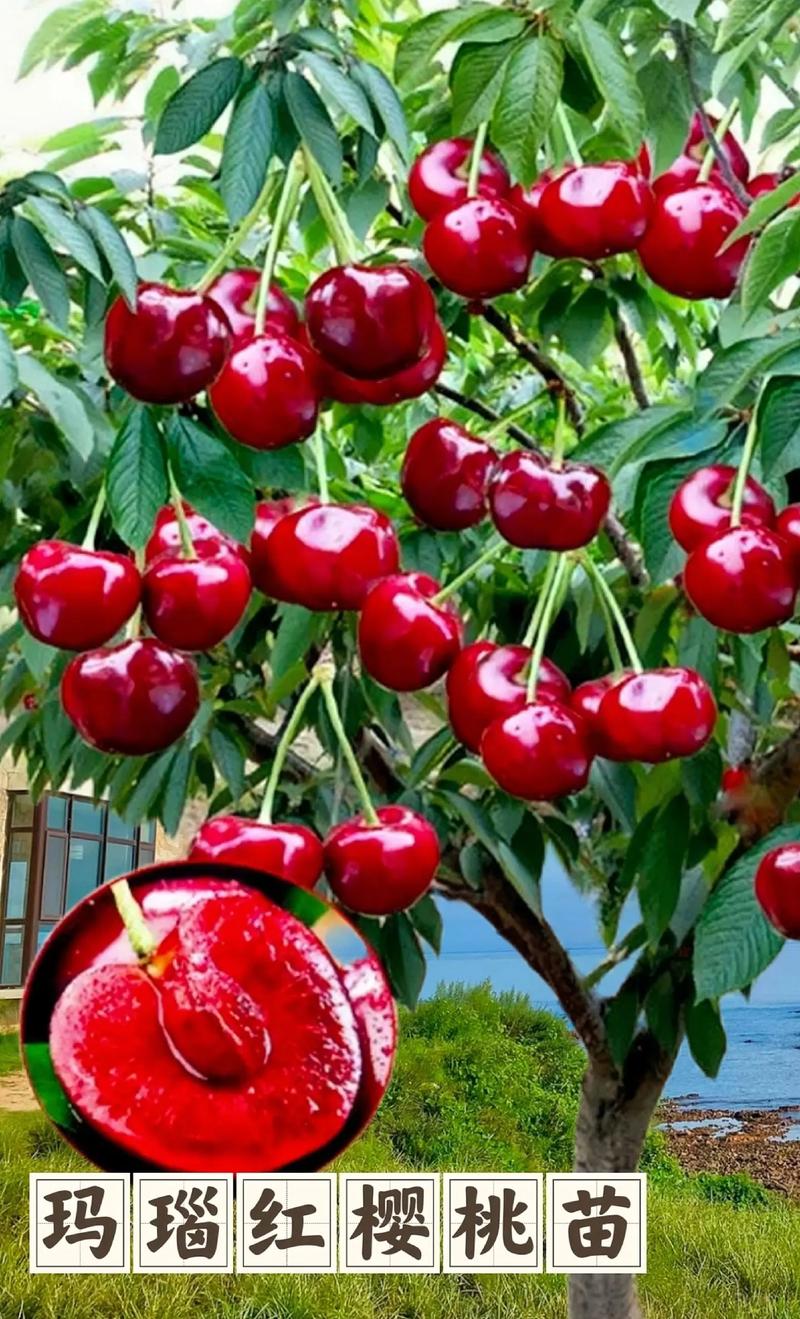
column 9, row 1052
column 482, row 1082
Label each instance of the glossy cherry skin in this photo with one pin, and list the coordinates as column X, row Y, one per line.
column 268, row 514
column 527, row 202
column 377, row 869
column 540, row 753
column 193, row 604
column 131, row 699
column 438, row 177
column 74, row 598
column 405, row 640
column 170, row 348
column 236, row 292
column 778, row 889
column 535, row 506
column 742, row 579
column 787, row 526
column 409, row 383
column 586, row 700
column 445, row 475
column 289, row 851
column 268, row 395
column 685, row 169
column 326, row 556
column 487, row 681
column 762, row 184
column 656, row 715
column 701, row 506
column 594, row 211
column 696, row 145
column 370, row 321
column 478, row 249
column 680, row 250
column 208, row 540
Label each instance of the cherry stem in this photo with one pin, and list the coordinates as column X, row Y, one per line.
column 336, row 222
column 134, row 626
column 566, row 128
column 236, row 239
column 143, row 941
column 608, row 624
column 559, row 437
column 536, row 616
column 719, row 134
column 325, row 674
column 740, row 484
column 487, row 556
column 94, row 520
column 318, row 444
column 604, row 591
column 176, row 499
column 287, row 204
column 282, row 749
column 548, row 612
column 476, row 158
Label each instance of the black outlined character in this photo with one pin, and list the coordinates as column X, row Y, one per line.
column 605, row 1233
column 264, row 1215
column 85, row 1220
column 496, row 1217
column 394, row 1219
column 195, row 1236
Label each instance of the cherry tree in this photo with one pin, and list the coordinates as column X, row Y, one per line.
column 433, row 386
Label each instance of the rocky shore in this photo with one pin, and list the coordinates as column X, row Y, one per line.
column 764, row 1143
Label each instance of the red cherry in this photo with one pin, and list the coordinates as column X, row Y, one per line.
column 193, row 604
column 377, row 869
column 684, row 170
column 778, row 889
column 131, row 699
column 438, row 177
column 742, row 579
column 735, row 780
column 657, row 715
column 478, row 249
column 701, row 506
column 170, row 348
column 269, row 393
column 594, row 211
column 643, row 161
column 539, row 753
column 326, row 556
column 535, row 506
column 268, row 514
column 787, row 526
column 527, row 203
column 696, row 146
column 487, row 681
column 445, row 474
column 75, row 598
column 207, row 539
column 288, row 851
column 405, row 640
column 30, row 702
column 370, row 321
column 235, row 1048
column 236, row 292
column 681, row 249
column 763, row 184
column 586, row 699
column 410, row 383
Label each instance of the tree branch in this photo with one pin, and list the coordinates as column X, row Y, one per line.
column 540, row 362
column 684, row 48
column 629, row 358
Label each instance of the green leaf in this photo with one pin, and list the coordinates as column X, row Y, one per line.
column 706, row 1035
column 62, row 229
column 731, row 371
column 297, row 631
column 773, row 258
column 114, row 249
column 136, row 477
column 527, row 103
column 779, row 427
column 427, row 921
column 176, row 789
column 586, row 327
column 429, row 755
column 403, row 958
column 9, row 372
column 423, row 39
column 386, row 103
column 341, row 89
column 42, row 270
column 698, row 647
column 661, row 1011
column 475, row 82
column 734, row 941
column 662, row 865
column 614, row 73
column 622, row 1013
column 616, row 786
column 210, row 477
column 47, row 1087
column 246, row 154
column 149, row 784
column 63, row 404
column 764, row 208
column 281, row 469
column 742, row 16
column 522, row 860
column 50, row 34
column 37, row 655
column 314, row 125
column 197, row 105
column 58, row 733
column 683, row 10
column 229, row 756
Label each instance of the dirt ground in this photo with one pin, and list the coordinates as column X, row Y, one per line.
column 765, row 1143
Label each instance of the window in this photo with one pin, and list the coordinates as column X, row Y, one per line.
column 56, row 853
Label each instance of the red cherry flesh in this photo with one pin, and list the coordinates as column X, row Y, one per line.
column 326, row 556
column 438, row 177
column 377, row 869
column 170, row 348
column 75, row 598
column 268, row 395
column 487, row 681
column 535, row 506
column 701, row 506
column 656, row 715
column 445, row 475
column 742, row 579
column 288, row 851
column 539, row 753
column 478, row 249
column 405, row 640
column 193, row 604
column 778, row 889
column 681, row 249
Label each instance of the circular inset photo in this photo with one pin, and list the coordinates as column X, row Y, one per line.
column 200, row 1017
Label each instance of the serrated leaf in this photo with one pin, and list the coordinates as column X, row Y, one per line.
column 527, row 102
column 314, row 125
column 742, row 16
column 210, row 477
column 731, row 371
column 342, row 90
column 197, row 105
column 42, row 270
column 683, row 10
column 698, row 647
column 779, row 427
column 764, row 208
column 115, row 250
column 427, row 921
column 229, row 757
column 429, row 755
column 403, row 958
column 246, row 154
column 62, row 229
column 63, row 404
column 616, row 786
column 386, row 103
column 475, row 82
column 734, row 941
column 149, row 786
column 615, row 76
column 424, row 38
column 706, row 1035
column 662, row 865
column 774, row 257
column 52, row 31
column 176, row 789
column 9, row 372
column 136, row 477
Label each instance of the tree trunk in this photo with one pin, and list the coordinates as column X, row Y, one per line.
column 611, row 1129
